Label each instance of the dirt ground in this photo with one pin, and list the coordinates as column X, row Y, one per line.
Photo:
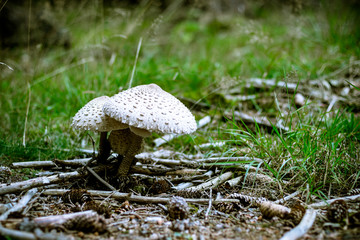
column 150, row 208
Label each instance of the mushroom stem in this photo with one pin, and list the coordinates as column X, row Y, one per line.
column 134, row 148
column 104, row 148
column 128, row 144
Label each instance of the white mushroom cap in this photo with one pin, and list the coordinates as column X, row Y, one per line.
column 91, row 117
column 151, row 108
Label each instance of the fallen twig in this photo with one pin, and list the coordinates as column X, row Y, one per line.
column 37, row 182
column 20, row 205
column 58, row 220
column 257, row 120
column 133, row 198
column 47, row 164
column 210, row 145
column 326, row 203
column 210, row 205
column 15, row 234
column 182, row 186
column 245, row 167
column 270, row 83
column 303, row 227
column 229, row 159
column 207, row 162
column 150, row 170
column 212, row 183
column 240, row 97
column 282, row 200
column 186, row 172
column 100, row 179
column 18, row 208
column 165, row 154
column 233, row 182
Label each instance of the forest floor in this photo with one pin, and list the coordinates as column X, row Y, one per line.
column 275, row 91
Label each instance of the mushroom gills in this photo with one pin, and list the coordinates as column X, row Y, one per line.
column 140, row 132
column 128, row 144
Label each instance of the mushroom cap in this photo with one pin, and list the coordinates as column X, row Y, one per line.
column 151, row 108
column 91, row 117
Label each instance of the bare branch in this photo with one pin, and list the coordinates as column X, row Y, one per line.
column 47, row 164
column 303, row 227
column 20, row 205
column 37, row 182
column 282, row 200
column 15, row 234
column 212, row 183
column 328, row 202
column 134, row 198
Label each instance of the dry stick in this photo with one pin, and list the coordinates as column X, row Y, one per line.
column 166, row 162
column 233, row 182
column 258, row 82
column 17, row 208
column 100, row 179
column 20, row 205
column 210, row 145
column 240, row 98
column 43, row 181
column 212, row 183
column 15, row 234
column 186, row 179
column 133, row 198
column 328, row 202
column 227, row 159
column 186, row 172
column 57, row 220
column 288, row 197
column 150, row 170
column 54, row 163
column 245, row 167
column 303, row 227
column 167, row 154
column 182, row 186
column 202, row 162
column 2, row 63
column 258, row 120
column 210, row 204
column 37, row 182
column 162, row 153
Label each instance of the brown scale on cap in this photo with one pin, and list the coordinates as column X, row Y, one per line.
column 151, row 109
column 146, row 109
column 91, row 117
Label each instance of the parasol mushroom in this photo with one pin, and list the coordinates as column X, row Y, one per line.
column 146, row 109
column 91, row 117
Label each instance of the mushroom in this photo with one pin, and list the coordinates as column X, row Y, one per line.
column 91, row 117
column 146, row 109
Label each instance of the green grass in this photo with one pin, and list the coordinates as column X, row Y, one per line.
column 320, row 154
column 190, row 53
